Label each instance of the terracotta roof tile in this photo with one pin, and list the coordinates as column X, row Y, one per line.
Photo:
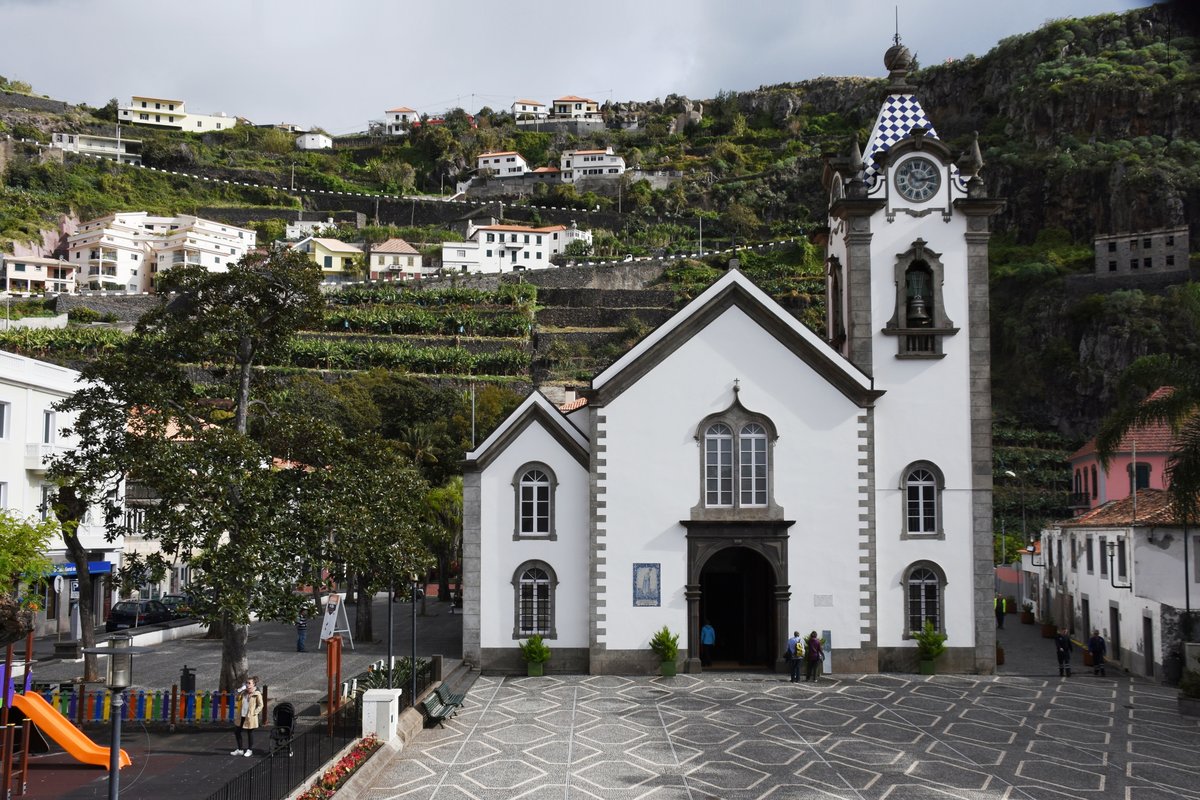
column 1156, row 438
column 572, row 405
column 499, row 153
column 1154, row 507
column 401, row 110
column 395, row 246
column 530, row 102
column 522, row 228
column 573, row 99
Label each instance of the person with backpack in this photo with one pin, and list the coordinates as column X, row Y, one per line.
column 814, row 654
column 795, row 655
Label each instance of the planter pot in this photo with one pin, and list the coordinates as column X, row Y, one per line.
column 667, row 669
column 927, row 667
column 535, row 670
column 1189, row 706
column 999, row 655
column 1027, row 618
column 1049, row 630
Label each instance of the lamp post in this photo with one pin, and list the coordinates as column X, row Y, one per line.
column 412, row 666
column 119, row 677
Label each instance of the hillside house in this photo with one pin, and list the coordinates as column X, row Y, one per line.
column 124, row 251
column 527, row 112
column 314, row 141
column 166, row 113
column 395, row 260
column 505, row 164
column 110, row 147
column 576, row 164
column 497, row 248
column 397, row 121
column 339, row 261
column 34, row 275
column 572, row 107
column 1142, row 253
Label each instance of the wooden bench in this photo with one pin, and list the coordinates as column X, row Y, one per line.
column 448, row 697
column 435, row 711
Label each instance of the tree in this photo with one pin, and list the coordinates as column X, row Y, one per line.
column 220, row 503
column 444, row 536
column 578, row 249
column 23, row 544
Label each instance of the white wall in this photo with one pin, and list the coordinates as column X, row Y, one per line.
column 653, row 468
column 568, row 554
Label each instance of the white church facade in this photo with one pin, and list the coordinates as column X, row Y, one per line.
column 738, row 469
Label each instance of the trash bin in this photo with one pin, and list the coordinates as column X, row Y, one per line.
column 187, row 680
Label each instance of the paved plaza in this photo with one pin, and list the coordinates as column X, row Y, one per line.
column 857, row 737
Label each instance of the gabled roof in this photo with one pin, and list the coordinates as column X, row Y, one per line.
column 396, row 246
column 535, row 410
column 500, row 153
column 1154, row 438
column 401, row 110
column 337, row 245
column 545, row 169
column 522, row 228
column 573, row 99
column 734, row 289
column 528, row 102
column 1154, row 508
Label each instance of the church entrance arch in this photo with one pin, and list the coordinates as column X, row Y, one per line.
column 738, row 581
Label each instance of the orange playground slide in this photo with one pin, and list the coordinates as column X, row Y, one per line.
column 60, row 729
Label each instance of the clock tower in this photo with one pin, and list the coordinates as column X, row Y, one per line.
column 907, row 292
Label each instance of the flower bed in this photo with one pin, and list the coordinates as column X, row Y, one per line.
column 332, row 779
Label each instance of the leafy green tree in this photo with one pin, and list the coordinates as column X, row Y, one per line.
column 219, row 503
column 444, row 537
column 23, row 562
column 578, row 249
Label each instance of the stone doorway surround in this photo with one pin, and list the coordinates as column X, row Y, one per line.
column 707, row 538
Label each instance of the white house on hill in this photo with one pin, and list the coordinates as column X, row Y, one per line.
column 529, row 111
column 502, row 164
column 509, row 248
column 736, row 468
column 576, row 164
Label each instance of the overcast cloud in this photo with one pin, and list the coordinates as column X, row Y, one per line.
column 338, row 63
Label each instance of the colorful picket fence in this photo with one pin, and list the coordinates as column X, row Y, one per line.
column 161, row 705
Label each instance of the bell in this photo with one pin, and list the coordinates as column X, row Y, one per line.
column 918, row 317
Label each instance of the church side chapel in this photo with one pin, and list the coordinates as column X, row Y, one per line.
column 737, row 469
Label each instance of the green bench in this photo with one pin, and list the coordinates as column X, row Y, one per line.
column 448, row 697
column 435, row 711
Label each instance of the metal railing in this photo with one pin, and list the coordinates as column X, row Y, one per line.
column 291, row 763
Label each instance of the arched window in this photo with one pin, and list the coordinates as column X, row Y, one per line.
column 922, row 486
column 918, row 290
column 924, row 586
column 1095, row 486
column 534, row 583
column 534, row 485
column 753, row 440
column 920, row 321
column 718, row 466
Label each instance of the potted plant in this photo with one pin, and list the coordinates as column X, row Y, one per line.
column 535, row 653
column 931, row 643
column 1049, row 628
column 666, row 646
column 1189, row 693
column 1027, row 617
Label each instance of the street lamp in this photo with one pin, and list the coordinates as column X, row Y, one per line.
column 412, row 666
column 119, row 677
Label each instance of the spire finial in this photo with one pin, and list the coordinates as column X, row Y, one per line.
column 737, row 385
column 896, row 38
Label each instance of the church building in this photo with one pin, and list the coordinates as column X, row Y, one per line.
column 738, row 469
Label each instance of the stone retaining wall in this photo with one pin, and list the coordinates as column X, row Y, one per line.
column 126, row 307
column 568, row 317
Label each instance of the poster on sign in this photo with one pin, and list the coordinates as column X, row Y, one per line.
column 335, row 620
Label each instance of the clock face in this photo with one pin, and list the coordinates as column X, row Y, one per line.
column 918, row 179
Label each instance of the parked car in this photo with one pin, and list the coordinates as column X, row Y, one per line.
column 180, row 605
column 135, row 614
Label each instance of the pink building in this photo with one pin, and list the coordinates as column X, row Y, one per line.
column 1148, row 447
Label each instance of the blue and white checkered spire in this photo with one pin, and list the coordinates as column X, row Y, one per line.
column 900, row 114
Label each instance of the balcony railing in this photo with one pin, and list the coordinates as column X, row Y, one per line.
column 1079, row 500
column 36, row 455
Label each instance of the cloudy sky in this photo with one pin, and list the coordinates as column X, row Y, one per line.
column 338, row 63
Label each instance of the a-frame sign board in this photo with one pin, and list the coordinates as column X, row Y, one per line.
column 335, row 620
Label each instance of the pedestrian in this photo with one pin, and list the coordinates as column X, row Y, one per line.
column 1000, row 605
column 708, row 638
column 301, row 628
column 814, row 654
column 1062, row 648
column 795, row 655
column 1098, row 648
column 247, row 710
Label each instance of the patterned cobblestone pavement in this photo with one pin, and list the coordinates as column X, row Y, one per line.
column 858, row 737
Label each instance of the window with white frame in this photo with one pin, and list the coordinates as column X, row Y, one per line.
column 48, row 428
column 924, row 585
column 534, row 484
column 534, row 583
column 736, row 460
column 3, row 494
column 5, row 412
column 922, row 484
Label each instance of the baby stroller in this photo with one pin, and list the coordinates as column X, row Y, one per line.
column 283, row 715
